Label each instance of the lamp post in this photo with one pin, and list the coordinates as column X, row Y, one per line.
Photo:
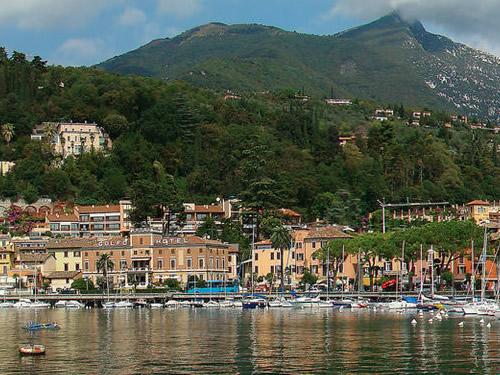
column 382, row 204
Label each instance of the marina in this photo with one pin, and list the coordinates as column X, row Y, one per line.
column 284, row 340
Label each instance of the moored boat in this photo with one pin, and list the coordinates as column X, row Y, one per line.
column 31, row 349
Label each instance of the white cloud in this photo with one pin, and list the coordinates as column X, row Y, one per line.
column 469, row 21
column 180, row 8
column 49, row 14
column 81, row 51
column 131, row 16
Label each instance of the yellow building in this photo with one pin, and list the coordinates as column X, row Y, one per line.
column 478, row 210
column 67, row 253
column 300, row 255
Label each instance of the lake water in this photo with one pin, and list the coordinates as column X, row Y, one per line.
column 287, row 341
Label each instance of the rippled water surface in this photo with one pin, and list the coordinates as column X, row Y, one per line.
column 288, row 341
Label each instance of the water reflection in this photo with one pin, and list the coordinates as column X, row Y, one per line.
column 242, row 342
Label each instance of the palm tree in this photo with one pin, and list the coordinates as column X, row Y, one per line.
column 105, row 264
column 281, row 239
column 50, row 132
column 7, row 132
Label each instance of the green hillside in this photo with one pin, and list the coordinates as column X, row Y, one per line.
column 270, row 149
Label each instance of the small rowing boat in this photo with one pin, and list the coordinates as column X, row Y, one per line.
column 29, row 349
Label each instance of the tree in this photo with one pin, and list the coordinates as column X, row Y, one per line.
column 115, row 124
column 308, row 279
column 369, row 247
column 338, row 250
column 82, row 284
column 281, row 239
column 7, row 132
column 105, row 264
column 208, row 227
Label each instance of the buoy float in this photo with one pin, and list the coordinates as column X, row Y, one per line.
column 414, row 321
column 461, row 324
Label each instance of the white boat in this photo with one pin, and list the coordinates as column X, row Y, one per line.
column 237, row 303
column 398, row 305
column 28, row 304
column 124, row 305
column 108, row 305
column 226, row 304
column 326, row 304
column 211, row 304
column 156, row 305
column 305, row 301
column 186, row 304
column 72, row 304
column 172, row 304
column 480, row 308
column 358, row 304
column 7, row 305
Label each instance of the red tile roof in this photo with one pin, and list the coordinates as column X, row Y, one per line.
column 206, row 209
column 326, row 233
column 63, row 217
column 477, row 202
column 96, row 209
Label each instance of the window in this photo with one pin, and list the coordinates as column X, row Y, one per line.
column 461, row 270
column 123, row 264
column 114, row 226
column 97, row 253
column 201, row 262
column 135, row 252
column 67, row 281
column 74, row 226
column 140, row 241
column 217, row 264
column 113, row 218
column 172, row 263
column 77, row 266
column 123, row 253
column 98, row 218
column 256, row 269
column 300, row 270
column 300, row 257
column 278, row 256
column 86, row 265
column 272, row 256
column 65, row 254
column 256, row 256
column 159, row 251
column 84, row 217
column 189, row 263
column 299, row 245
column 172, row 251
column 293, row 254
column 481, row 210
column 272, row 269
column 98, row 226
column 66, row 266
column 313, row 245
column 461, row 260
column 388, row 266
column 86, row 254
column 160, row 263
column 54, row 226
column 147, row 252
column 314, row 269
column 211, row 262
column 223, row 263
column 65, row 227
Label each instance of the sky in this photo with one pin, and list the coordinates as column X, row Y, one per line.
column 86, row 32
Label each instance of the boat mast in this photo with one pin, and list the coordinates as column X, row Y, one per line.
column 473, row 276
column 421, row 273
column 343, row 272
column 328, row 274
column 483, row 280
column 253, row 255
column 431, row 253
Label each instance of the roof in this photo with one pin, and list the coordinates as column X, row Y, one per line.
column 287, row 211
column 63, row 217
column 206, row 209
column 64, row 243
column 477, row 202
column 263, row 242
column 326, row 232
column 97, row 209
column 32, row 258
column 64, row 274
